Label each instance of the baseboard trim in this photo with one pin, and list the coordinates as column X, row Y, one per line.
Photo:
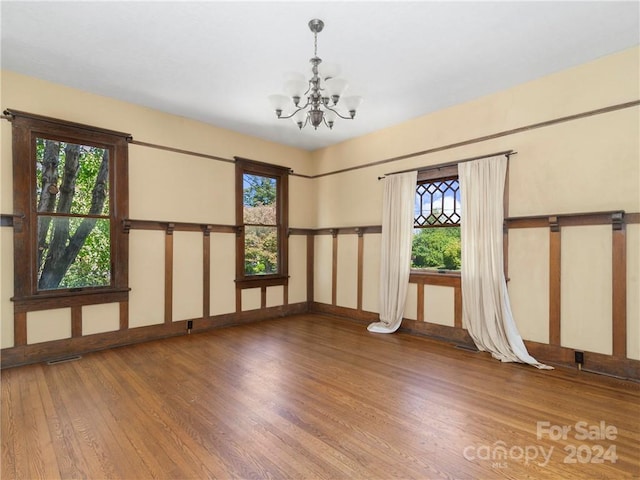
column 624, row 368
column 60, row 349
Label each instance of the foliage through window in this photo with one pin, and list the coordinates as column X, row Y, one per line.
column 261, row 215
column 72, row 208
column 436, row 240
column 70, row 196
column 260, row 225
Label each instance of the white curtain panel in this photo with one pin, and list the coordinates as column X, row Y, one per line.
column 486, row 309
column 395, row 262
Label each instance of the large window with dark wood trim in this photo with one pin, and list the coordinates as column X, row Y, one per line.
column 261, row 215
column 436, row 241
column 70, row 197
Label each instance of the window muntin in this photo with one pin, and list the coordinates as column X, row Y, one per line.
column 436, row 241
column 438, row 203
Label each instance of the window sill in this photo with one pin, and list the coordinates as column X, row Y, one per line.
column 435, row 277
column 262, row 281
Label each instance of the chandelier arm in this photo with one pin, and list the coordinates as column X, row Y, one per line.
column 338, row 113
column 298, row 108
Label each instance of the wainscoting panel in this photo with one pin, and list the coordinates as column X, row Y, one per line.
column 411, row 302
column 251, row 298
column 297, row 268
column 586, row 289
column 347, row 271
column 146, row 277
column 100, row 318
column 222, row 290
column 48, row 325
column 371, row 272
column 323, row 260
column 529, row 281
column 275, row 296
column 187, row 275
column 633, row 287
column 439, row 305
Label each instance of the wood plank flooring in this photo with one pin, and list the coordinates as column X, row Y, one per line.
column 312, row 397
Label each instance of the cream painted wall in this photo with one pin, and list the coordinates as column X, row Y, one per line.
column 302, row 211
column 439, row 305
column 322, row 264
column 146, row 278
column 633, row 287
column 371, row 272
column 100, row 318
column 187, row 275
column 250, row 299
column 411, row 302
column 47, row 325
column 223, row 273
column 586, row 289
column 164, row 186
column 529, row 282
column 346, row 289
column 275, row 296
column 6, row 287
column 584, row 165
column 179, row 187
column 6, row 235
column 297, row 269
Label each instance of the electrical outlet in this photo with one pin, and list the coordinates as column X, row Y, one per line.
column 579, row 358
column 189, row 324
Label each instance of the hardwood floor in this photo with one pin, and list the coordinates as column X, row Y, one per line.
column 312, row 397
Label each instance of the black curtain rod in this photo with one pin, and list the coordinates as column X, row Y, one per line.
column 507, row 153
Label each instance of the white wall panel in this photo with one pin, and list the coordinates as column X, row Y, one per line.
column 323, row 260
column 187, row 275
column 439, row 305
column 100, row 318
column 297, row 268
column 48, row 325
column 586, row 289
column 371, row 273
column 146, row 277
column 347, row 283
column 223, row 271
column 529, row 284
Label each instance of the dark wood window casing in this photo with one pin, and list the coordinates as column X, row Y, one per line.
column 281, row 175
column 26, row 128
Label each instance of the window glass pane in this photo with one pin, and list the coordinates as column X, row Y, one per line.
column 260, row 250
column 71, row 178
column 259, row 200
column 436, row 248
column 436, row 236
column 73, row 252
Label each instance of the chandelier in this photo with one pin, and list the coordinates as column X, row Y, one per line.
column 315, row 101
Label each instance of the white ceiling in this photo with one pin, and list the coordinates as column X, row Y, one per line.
column 218, row 61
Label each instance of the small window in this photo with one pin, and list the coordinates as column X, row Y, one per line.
column 260, row 208
column 436, row 239
column 262, row 218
